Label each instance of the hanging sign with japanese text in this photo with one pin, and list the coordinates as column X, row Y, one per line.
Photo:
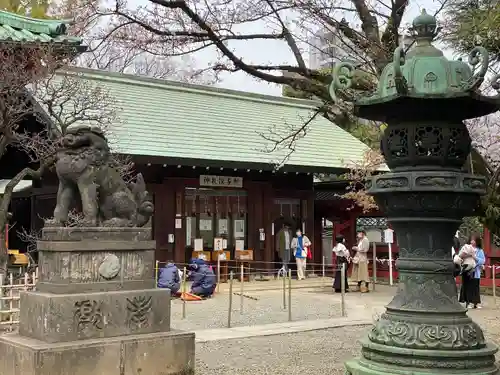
column 221, row 181
column 388, row 236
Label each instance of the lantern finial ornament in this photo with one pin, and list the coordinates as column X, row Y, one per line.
column 424, row 27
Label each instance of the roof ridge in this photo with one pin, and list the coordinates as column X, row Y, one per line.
column 50, row 27
column 192, row 87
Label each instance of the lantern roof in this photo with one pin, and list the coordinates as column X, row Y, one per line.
column 423, row 83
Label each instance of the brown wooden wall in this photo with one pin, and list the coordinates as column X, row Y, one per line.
column 167, row 185
column 260, row 209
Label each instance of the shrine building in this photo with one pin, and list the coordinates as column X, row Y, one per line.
column 209, row 159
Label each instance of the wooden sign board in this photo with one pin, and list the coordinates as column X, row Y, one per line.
column 221, row 181
column 243, row 255
column 218, row 244
column 205, row 255
column 374, row 235
column 215, row 255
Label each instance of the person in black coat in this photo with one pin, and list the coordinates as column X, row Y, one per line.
column 342, row 257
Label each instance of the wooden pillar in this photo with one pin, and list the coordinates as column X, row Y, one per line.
column 255, row 220
column 253, row 204
column 487, row 247
column 308, row 216
column 164, row 221
column 267, row 200
column 317, row 240
column 158, row 218
column 180, row 233
column 350, row 232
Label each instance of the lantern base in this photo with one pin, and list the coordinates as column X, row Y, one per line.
column 387, row 360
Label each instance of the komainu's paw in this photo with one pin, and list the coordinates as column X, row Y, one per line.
column 116, row 222
column 52, row 222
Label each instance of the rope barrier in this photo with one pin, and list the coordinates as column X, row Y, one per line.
column 379, row 260
column 280, row 264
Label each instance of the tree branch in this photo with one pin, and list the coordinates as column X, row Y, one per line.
column 9, row 188
column 289, row 39
column 390, row 37
column 219, row 43
column 288, row 141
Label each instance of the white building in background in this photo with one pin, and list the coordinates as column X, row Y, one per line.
column 327, row 48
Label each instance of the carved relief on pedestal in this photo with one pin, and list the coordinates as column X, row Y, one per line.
column 65, row 266
column 412, row 335
column 134, row 265
column 425, row 293
column 87, row 314
column 139, row 309
column 109, row 267
column 95, row 266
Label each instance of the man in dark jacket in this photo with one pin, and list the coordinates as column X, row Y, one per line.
column 204, row 281
column 169, row 278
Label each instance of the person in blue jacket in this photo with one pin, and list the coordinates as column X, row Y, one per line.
column 169, row 278
column 204, row 281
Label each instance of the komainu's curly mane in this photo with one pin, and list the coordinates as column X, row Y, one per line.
column 86, row 173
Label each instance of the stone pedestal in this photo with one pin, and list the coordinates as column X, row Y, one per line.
column 96, row 311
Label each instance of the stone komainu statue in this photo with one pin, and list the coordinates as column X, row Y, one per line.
column 86, row 171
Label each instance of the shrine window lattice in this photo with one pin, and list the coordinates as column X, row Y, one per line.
column 372, row 223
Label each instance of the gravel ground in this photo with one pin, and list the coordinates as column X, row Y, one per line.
column 316, row 352
column 212, row 313
column 306, row 353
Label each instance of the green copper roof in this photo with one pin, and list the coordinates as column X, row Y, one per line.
column 181, row 121
column 18, row 28
column 424, row 73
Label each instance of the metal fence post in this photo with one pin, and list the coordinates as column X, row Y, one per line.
column 218, row 274
column 156, row 273
column 230, row 300
column 184, row 293
column 289, row 295
column 493, row 279
column 242, row 273
column 323, row 269
column 374, row 267
column 342, row 289
column 284, row 291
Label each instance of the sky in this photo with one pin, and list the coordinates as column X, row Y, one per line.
column 277, row 52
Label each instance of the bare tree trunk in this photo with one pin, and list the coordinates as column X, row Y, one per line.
column 4, row 257
column 5, row 203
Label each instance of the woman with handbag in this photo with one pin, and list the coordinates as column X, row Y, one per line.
column 360, row 262
column 300, row 247
column 470, row 292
